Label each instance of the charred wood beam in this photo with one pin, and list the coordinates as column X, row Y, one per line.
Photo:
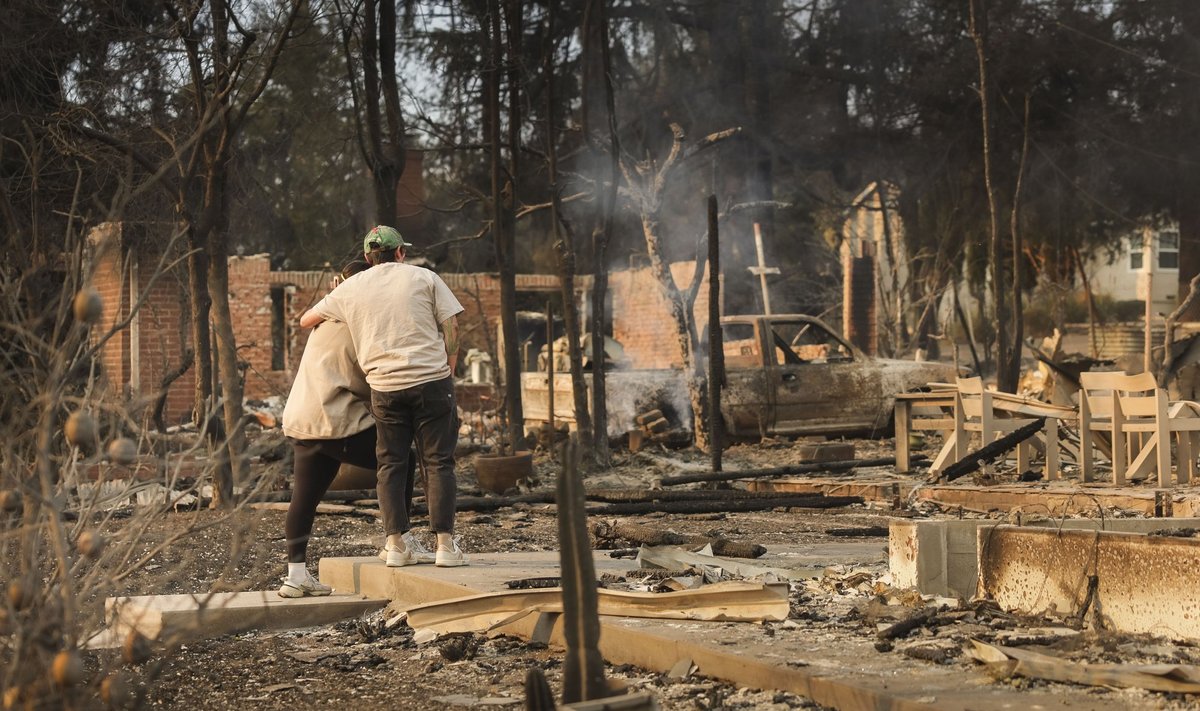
column 718, row 506
column 810, row 468
column 993, row 451
column 286, row 496
column 615, row 496
column 921, row 618
column 639, row 533
column 858, row 532
column 649, row 501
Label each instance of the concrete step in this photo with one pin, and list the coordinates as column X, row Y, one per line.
column 173, row 618
column 417, row 584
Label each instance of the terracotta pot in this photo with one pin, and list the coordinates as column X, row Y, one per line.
column 500, row 472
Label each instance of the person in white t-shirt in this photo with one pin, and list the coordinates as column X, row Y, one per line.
column 403, row 322
column 329, row 421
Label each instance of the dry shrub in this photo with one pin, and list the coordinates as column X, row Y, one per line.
column 68, row 541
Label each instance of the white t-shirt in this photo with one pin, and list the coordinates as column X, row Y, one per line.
column 330, row 396
column 393, row 311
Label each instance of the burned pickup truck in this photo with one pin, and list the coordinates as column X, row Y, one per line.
column 784, row 375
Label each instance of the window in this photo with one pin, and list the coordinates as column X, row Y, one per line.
column 1168, row 249
column 806, row 342
column 1135, row 254
column 740, row 345
column 1166, row 246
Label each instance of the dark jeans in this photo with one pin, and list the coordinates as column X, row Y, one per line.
column 426, row 415
column 316, row 465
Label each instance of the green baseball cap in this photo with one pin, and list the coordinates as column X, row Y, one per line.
column 382, row 237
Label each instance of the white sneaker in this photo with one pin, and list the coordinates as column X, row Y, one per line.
column 396, row 558
column 451, row 557
column 418, row 549
column 309, row 587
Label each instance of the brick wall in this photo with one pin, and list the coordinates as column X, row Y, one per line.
column 110, row 280
column 642, row 320
column 641, row 315
column 162, row 332
column 136, row 359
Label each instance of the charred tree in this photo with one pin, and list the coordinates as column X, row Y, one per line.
column 647, row 180
column 564, row 248
column 599, row 111
column 369, row 46
column 223, row 92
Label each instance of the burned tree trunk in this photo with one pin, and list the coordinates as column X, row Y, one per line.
column 564, row 248
column 598, row 88
column 648, row 183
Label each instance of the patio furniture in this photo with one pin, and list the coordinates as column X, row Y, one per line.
column 1139, row 421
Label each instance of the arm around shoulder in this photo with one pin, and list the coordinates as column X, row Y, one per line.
column 310, row 318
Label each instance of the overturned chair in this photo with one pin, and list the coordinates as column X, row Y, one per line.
column 1130, row 418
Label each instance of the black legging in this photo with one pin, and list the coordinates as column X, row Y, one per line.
column 316, row 465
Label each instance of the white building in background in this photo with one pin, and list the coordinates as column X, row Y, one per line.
column 1148, row 257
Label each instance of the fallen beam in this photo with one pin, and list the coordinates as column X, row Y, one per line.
column 614, row 496
column 992, row 451
column 809, row 468
column 732, row 506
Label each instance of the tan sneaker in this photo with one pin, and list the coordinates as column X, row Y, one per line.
column 451, row 557
column 396, row 558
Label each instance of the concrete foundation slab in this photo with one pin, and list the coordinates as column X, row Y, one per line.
column 941, row 557
column 846, row 673
column 176, row 617
column 1139, row 583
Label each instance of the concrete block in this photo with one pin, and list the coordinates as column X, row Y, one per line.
column 935, row 557
column 1142, row 584
column 175, row 617
column 941, row 557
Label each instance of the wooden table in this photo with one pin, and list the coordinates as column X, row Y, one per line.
column 934, row 411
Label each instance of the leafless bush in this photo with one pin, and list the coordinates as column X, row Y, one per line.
column 72, row 533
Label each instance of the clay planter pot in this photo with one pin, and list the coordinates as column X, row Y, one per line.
column 498, row 473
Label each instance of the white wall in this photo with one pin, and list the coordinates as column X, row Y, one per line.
column 1120, row 280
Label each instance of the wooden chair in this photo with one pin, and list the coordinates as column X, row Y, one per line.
column 1139, row 420
column 976, row 410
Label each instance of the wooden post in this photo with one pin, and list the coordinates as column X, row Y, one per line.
column 716, row 347
column 550, row 374
column 1148, row 274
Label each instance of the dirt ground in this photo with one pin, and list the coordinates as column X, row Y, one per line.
column 360, row 662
